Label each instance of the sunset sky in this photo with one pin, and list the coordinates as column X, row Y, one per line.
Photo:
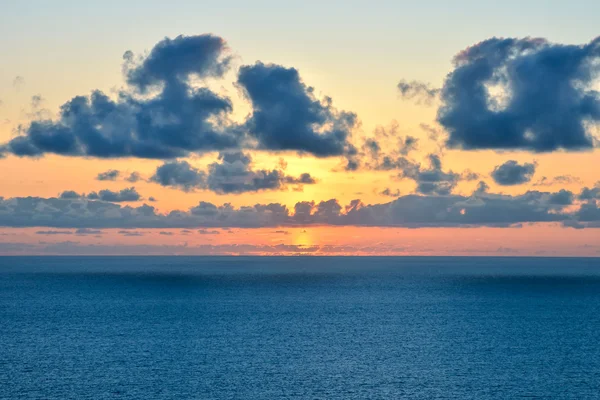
column 321, row 128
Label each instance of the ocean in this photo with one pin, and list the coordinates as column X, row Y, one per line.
column 299, row 328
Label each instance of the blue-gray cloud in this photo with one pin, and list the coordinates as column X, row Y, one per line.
column 164, row 113
column 413, row 211
column 110, row 175
column 287, row 116
column 561, row 198
column 179, row 174
column 513, row 173
column 70, row 194
column 171, row 119
column 432, row 180
column 172, row 61
column 124, row 195
column 546, row 95
column 233, row 173
column 590, row 194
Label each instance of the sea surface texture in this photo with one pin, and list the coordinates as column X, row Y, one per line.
column 299, row 328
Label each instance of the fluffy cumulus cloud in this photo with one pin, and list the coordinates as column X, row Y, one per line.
column 513, row 173
column 233, row 173
column 287, row 116
column 160, row 115
column 124, row 195
column 433, row 180
column 164, row 112
column 527, row 94
column 180, row 175
column 590, row 194
column 414, row 211
column 128, row 194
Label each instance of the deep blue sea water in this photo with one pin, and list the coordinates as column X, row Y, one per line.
column 299, row 328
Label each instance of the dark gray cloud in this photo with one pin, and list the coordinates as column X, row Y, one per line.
column 431, row 181
column 110, row 175
column 434, row 180
column 163, row 233
column 479, row 209
column 180, row 175
column 482, row 188
column 525, row 94
column 588, row 215
column 172, row 117
column 420, row 91
column 173, row 61
column 304, row 179
column 54, row 233
column 287, row 116
column 164, row 113
column 513, row 173
column 124, row 195
column 70, row 194
column 562, row 198
column 233, row 173
column 589, row 194
column 113, row 175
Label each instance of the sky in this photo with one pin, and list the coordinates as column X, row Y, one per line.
column 300, row 128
